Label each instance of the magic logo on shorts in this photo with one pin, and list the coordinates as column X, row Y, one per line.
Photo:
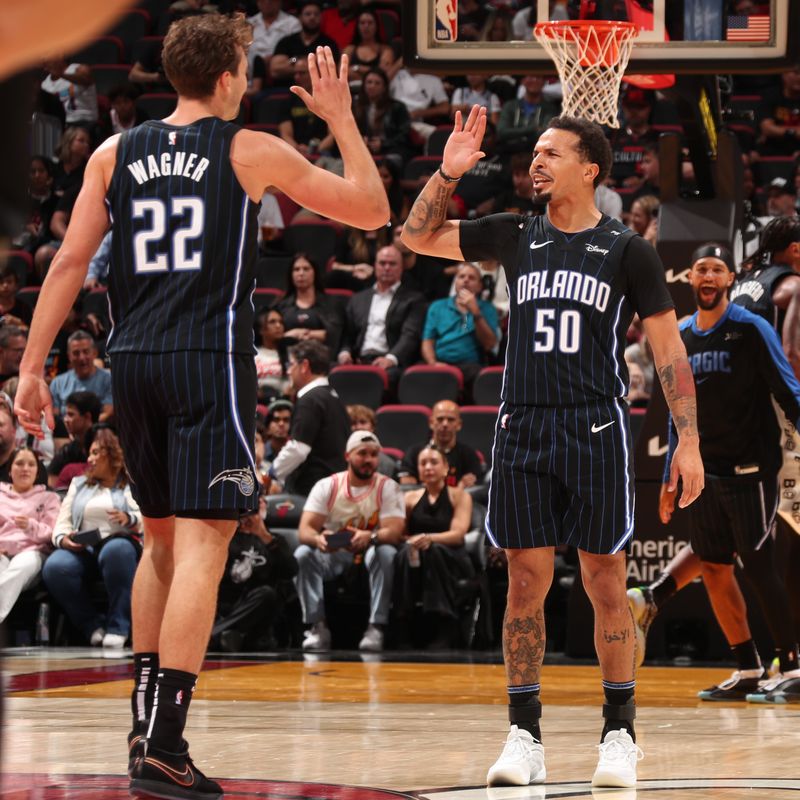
column 244, row 478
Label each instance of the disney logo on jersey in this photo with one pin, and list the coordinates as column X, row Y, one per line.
column 565, row 285
column 593, row 248
column 242, row 477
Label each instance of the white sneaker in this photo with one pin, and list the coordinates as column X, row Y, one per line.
column 96, row 639
column 617, row 763
column 372, row 639
column 114, row 641
column 520, row 763
column 317, row 637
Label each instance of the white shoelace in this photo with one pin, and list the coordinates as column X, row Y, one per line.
column 615, row 750
column 737, row 676
column 518, row 747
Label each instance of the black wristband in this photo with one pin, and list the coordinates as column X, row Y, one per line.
column 446, row 177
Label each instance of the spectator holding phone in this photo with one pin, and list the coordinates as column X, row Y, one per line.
column 353, row 514
column 97, row 533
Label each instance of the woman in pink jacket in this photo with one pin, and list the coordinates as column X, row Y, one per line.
column 27, row 515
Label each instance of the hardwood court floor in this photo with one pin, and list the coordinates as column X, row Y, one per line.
column 279, row 728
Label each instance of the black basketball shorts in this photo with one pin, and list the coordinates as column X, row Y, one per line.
column 562, row 475
column 186, row 422
column 732, row 515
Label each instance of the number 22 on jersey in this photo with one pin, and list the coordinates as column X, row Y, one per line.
column 153, row 249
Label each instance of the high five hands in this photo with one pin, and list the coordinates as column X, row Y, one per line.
column 463, row 148
column 330, row 92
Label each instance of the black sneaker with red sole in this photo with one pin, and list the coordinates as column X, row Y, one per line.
column 172, row 776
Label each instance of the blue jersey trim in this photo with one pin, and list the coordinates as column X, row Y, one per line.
column 630, row 497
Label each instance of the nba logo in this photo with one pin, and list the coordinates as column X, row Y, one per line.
column 172, row 137
column 446, row 20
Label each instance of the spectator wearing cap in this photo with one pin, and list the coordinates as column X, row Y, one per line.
column 357, row 512
column 278, row 424
column 779, row 117
column 629, row 140
column 290, row 49
column 781, row 199
column 320, row 424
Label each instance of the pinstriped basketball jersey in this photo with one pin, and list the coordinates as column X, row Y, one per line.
column 572, row 298
column 184, row 242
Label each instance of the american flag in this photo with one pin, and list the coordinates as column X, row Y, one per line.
column 748, row 29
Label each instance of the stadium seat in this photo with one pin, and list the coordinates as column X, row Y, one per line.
column 265, row 297
column 427, row 384
column 317, row 237
column 419, row 166
column 29, row 295
column 21, row 261
column 272, row 271
column 269, row 108
column 108, row 76
column 388, row 23
column 434, row 146
column 157, row 105
column 359, row 384
column 402, row 425
column 477, row 428
column 637, row 422
column 105, row 50
column 486, row 389
column 135, row 24
column 288, row 208
column 283, row 516
column 96, row 302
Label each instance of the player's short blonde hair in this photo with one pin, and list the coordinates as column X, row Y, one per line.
column 198, row 49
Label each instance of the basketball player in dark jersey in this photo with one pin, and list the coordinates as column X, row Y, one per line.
column 562, row 471
column 768, row 285
column 739, row 365
column 183, row 195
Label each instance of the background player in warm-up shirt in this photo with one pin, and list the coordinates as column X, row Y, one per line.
column 738, row 363
column 183, row 194
column 562, row 468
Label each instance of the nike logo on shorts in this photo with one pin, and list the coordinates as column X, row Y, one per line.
column 536, row 246
column 597, row 428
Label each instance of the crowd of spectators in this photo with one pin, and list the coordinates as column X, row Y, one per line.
column 366, row 301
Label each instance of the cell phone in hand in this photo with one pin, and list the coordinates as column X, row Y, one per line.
column 340, row 539
column 87, row 538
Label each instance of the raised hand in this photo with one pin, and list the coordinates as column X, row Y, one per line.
column 463, row 148
column 330, row 93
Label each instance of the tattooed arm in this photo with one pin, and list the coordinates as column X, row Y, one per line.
column 427, row 230
column 677, row 382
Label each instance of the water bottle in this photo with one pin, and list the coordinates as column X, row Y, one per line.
column 43, row 625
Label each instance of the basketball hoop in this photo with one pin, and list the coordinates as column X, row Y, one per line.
column 590, row 56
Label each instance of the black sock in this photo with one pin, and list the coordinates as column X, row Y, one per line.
column 619, row 700
column 746, row 655
column 145, row 674
column 524, row 708
column 787, row 656
column 173, row 695
column 663, row 589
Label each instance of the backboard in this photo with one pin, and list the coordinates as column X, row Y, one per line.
column 676, row 36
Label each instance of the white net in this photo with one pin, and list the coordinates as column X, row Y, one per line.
column 591, row 59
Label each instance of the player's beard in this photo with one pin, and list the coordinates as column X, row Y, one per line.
column 541, row 197
column 709, row 305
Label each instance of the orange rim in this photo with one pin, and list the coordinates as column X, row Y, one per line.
column 554, row 29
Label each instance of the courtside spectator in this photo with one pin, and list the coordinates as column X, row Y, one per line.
column 73, row 84
column 82, row 412
column 12, row 345
column 83, row 375
column 13, row 312
column 779, row 118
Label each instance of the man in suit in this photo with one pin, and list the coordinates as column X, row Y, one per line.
column 384, row 323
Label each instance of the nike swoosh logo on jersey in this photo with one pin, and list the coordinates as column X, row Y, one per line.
column 535, row 246
column 597, row 428
column 173, row 773
column 701, row 380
